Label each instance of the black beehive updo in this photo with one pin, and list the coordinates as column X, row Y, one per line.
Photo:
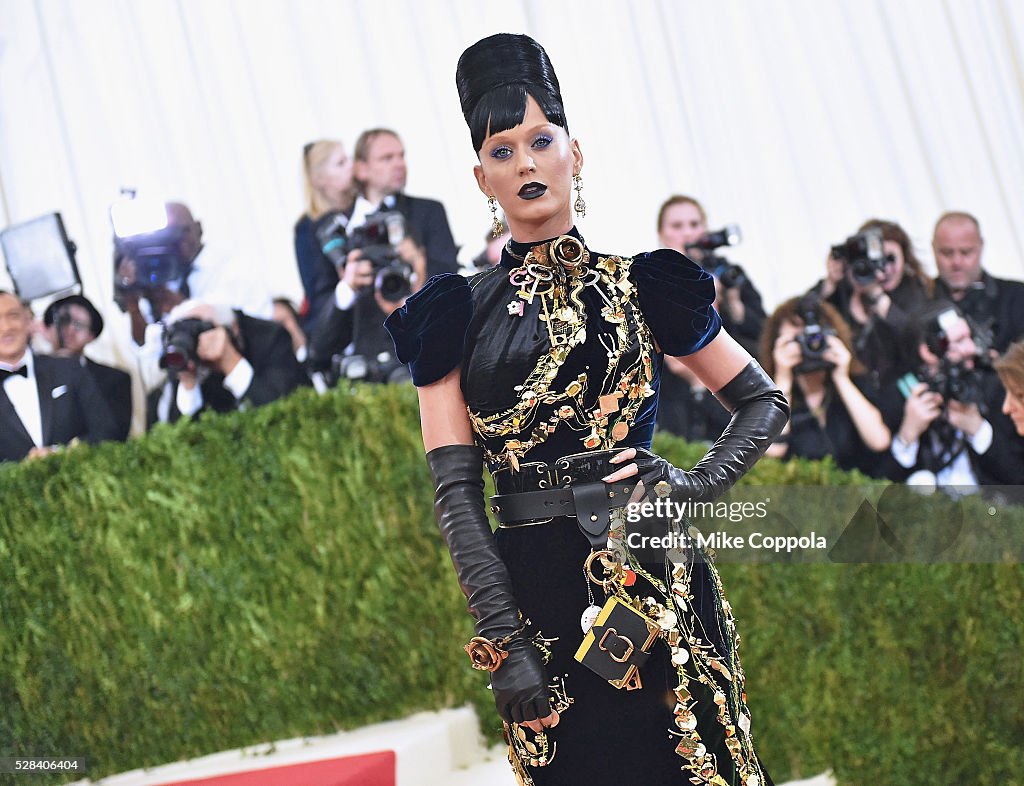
column 494, row 77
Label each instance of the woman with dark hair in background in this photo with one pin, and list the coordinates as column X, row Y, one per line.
column 806, row 346
column 329, row 190
column 546, row 367
column 878, row 310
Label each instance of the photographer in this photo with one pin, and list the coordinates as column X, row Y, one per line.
column 994, row 306
column 380, row 173
column 330, row 192
column 168, row 256
column 875, row 281
column 806, row 346
column 222, row 360
column 385, row 250
column 683, row 226
column 949, row 421
column 687, row 408
column 377, row 265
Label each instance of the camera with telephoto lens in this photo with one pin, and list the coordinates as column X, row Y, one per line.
column 863, row 255
column 378, row 239
column 813, row 339
column 180, row 344
column 726, row 272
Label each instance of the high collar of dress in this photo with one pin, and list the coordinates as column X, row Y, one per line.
column 513, row 254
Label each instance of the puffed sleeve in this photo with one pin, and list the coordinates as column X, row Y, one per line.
column 430, row 329
column 677, row 300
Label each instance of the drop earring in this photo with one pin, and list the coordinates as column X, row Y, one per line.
column 579, row 205
column 497, row 226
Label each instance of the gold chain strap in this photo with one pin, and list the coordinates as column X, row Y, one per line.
column 557, row 273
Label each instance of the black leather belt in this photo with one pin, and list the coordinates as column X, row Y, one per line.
column 572, row 486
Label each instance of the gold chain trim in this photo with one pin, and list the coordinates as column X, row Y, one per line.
column 557, row 273
column 694, row 659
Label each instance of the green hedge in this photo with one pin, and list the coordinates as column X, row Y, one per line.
column 277, row 573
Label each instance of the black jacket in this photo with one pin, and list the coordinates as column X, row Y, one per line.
column 995, row 304
column 426, row 222
column 71, row 406
column 115, row 386
column 333, row 329
column 276, row 372
column 1001, row 464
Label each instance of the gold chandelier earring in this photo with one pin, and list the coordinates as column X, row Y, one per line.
column 497, row 226
column 579, row 205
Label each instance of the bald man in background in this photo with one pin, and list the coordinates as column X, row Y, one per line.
column 995, row 305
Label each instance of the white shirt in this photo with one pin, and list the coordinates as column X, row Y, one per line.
column 237, row 382
column 959, row 471
column 24, row 395
column 363, row 208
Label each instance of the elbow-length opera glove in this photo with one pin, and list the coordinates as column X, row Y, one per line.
column 759, row 413
column 519, row 684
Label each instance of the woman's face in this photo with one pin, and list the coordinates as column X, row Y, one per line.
column 529, row 170
column 333, row 178
column 681, row 225
column 1013, row 403
column 893, row 273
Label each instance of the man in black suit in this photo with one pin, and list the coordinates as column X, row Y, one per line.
column 380, row 172
column 994, row 305
column 355, row 316
column 45, row 402
column 240, row 362
column 945, row 415
column 73, row 323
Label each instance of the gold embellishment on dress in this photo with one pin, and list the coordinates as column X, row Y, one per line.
column 702, row 672
column 556, row 274
column 539, row 751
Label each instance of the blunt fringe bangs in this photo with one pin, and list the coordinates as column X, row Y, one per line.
column 504, row 107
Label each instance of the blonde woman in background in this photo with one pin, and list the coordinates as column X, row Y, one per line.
column 329, row 191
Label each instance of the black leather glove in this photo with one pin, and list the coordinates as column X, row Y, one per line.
column 520, row 684
column 759, row 413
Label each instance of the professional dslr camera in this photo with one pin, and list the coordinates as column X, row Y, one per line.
column 378, row 239
column 952, row 380
column 955, row 381
column 863, row 255
column 726, row 272
column 180, row 345
column 813, row 339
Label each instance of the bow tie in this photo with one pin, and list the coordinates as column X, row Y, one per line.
column 22, row 370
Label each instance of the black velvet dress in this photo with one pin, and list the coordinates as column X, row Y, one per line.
column 558, row 359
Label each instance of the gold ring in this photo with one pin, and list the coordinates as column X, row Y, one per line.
column 616, row 571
